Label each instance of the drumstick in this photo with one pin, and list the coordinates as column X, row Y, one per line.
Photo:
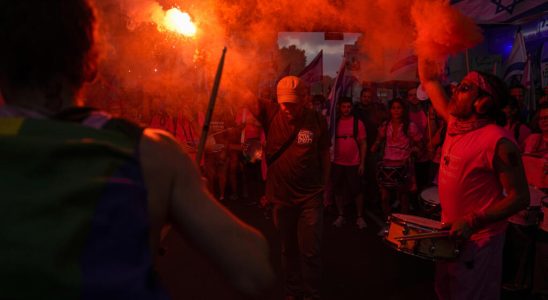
column 420, row 236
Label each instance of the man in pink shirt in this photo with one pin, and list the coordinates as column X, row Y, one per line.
column 348, row 163
column 479, row 161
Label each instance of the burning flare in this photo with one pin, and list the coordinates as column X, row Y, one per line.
column 180, row 22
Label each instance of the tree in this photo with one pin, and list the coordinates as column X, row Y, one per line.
column 294, row 56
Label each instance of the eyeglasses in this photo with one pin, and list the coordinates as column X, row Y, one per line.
column 463, row 88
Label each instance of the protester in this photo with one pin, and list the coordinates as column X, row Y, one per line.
column 479, row 160
column 420, row 115
column 348, row 164
column 537, row 145
column 87, row 194
column 372, row 113
column 252, row 140
column 514, row 125
column 518, row 92
column 397, row 139
column 297, row 153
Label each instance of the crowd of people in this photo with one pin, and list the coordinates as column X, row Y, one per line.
column 100, row 188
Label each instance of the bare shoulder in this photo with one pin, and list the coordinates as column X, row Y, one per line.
column 162, row 160
column 158, row 140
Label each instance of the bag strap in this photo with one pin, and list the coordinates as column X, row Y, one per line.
column 288, row 142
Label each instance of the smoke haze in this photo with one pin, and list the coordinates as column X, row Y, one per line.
column 146, row 67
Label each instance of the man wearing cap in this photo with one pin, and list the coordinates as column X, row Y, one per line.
column 297, row 153
column 479, row 160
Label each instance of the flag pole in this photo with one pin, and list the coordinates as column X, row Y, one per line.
column 212, row 99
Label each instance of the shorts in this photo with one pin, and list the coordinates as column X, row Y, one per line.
column 345, row 180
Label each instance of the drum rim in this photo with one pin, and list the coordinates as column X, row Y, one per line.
column 416, row 254
column 415, row 224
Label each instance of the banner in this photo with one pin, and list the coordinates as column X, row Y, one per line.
column 337, row 90
column 517, row 59
column 495, row 11
column 314, row 71
column 527, row 82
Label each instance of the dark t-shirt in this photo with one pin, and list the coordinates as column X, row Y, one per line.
column 297, row 175
column 372, row 115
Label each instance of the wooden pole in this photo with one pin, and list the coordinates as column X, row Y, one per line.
column 209, row 114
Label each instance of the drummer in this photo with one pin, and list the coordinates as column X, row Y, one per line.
column 479, row 160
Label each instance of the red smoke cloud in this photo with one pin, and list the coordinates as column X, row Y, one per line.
column 148, row 66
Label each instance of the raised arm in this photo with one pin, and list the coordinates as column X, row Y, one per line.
column 429, row 76
column 176, row 191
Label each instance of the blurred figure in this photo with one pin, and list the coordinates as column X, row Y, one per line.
column 513, row 124
column 421, row 116
column 318, row 103
column 372, row 113
column 518, row 93
column 252, row 140
column 91, row 192
column 536, row 145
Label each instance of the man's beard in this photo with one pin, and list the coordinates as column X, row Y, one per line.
column 458, row 112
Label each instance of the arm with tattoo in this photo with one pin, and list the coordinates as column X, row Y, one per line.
column 510, row 172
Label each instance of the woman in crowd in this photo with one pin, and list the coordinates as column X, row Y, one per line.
column 397, row 139
column 513, row 124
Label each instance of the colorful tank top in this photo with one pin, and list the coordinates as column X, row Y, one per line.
column 74, row 220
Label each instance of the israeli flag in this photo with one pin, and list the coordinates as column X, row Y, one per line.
column 517, row 59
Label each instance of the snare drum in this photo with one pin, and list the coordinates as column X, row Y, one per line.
column 531, row 215
column 392, row 175
column 434, row 243
column 430, row 201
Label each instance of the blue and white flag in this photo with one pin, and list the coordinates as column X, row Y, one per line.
column 527, row 82
column 337, row 91
column 314, row 71
column 517, row 59
column 495, row 11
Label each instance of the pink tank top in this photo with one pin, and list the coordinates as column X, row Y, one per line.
column 467, row 179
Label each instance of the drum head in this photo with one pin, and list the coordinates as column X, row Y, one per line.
column 431, row 195
column 419, row 221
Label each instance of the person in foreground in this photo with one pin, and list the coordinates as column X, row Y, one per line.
column 297, row 154
column 83, row 196
column 481, row 182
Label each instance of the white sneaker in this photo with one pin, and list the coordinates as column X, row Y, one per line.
column 383, row 231
column 360, row 222
column 339, row 222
